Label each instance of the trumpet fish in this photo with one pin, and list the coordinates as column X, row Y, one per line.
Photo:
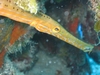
column 42, row 23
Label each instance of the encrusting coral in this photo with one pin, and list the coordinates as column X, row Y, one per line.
column 28, row 5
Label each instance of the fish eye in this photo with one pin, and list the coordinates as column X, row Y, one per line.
column 56, row 29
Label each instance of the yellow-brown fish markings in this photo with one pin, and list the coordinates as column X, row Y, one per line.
column 42, row 23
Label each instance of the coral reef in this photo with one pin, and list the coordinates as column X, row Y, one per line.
column 24, row 60
column 20, row 51
column 26, row 51
column 95, row 6
column 6, row 27
column 21, row 41
column 9, row 69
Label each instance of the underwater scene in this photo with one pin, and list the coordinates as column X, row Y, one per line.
column 49, row 37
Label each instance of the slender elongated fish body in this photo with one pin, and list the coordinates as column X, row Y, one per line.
column 42, row 23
